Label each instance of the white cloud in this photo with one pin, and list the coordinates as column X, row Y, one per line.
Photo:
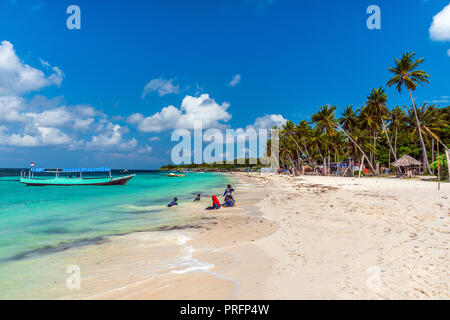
column 145, row 150
column 44, row 63
column 153, row 139
column 17, row 77
column 83, row 124
column 42, row 136
column 201, row 108
column 112, row 138
column 15, row 109
column 48, row 122
column 448, row 52
column 443, row 99
column 162, row 86
column 440, row 27
column 269, row 121
column 55, row 117
column 235, row 80
column 11, row 108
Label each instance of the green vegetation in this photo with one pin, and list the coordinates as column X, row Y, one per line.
column 246, row 165
column 376, row 132
column 443, row 166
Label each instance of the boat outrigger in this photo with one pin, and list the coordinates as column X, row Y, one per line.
column 65, row 177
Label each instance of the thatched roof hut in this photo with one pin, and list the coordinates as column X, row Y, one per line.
column 406, row 161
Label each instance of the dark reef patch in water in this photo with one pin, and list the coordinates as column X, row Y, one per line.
column 62, row 246
column 55, row 230
column 52, row 249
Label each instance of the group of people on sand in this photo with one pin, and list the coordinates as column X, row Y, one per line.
column 228, row 200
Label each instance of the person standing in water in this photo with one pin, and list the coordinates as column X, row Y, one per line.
column 173, row 203
column 197, row 198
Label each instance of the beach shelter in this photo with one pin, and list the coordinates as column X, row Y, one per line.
column 406, row 162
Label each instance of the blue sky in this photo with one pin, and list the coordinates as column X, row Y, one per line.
column 112, row 92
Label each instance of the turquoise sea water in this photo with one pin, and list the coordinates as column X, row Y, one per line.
column 42, row 220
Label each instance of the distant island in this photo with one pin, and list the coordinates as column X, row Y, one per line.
column 238, row 165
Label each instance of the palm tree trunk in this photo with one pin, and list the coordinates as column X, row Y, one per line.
column 426, row 165
column 298, row 146
column 374, row 154
column 361, row 166
column 387, row 135
column 321, row 156
column 396, row 132
column 357, row 146
column 306, row 150
column 447, row 155
column 292, row 163
column 432, row 150
column 389, row 164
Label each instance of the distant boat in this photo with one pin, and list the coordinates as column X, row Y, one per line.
column 64, row 177
column 172, row 175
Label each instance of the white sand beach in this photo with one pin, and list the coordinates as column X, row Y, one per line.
column 309, row 237
column 336, row 234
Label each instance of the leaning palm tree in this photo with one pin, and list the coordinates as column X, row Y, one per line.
column 326, row 121
column 368, row 121
column 286, row 153
column 431, row 118
column 406, row 74
column 377, row 99
column 290, row 130
column 398, row 118
column 318, row 143
column 304, row 133
column 362, row 138
column 349, row 118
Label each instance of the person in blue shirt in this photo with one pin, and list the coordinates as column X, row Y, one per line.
column 197, row 198
column 173, row 203
column 228, row 201
column 228, row 192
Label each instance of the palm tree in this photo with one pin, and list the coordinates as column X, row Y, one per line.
column 286, row 153
column 349, row 118
column 362, row 138
column 318, row 142
column 368, row 121
column 431, row 118
column 377, row 99
column 337, row 143
column 304, row 132
column 326, row 121
column 406, row 74
column 398, row 117
column 290, row 129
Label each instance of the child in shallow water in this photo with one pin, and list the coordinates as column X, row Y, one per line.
column 197, row 198
column 173, row 203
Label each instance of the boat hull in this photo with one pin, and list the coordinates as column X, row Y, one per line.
column 77, row 182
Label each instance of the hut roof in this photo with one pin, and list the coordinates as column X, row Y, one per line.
column 405, row 161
